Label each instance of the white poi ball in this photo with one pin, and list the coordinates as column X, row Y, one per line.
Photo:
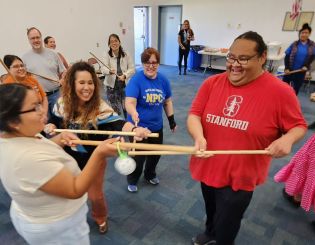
column 125, row 165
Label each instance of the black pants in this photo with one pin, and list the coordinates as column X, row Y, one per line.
column 183, row 53
column 296, row 80
column 225, row 209
column 150, row 162
column 116, row 97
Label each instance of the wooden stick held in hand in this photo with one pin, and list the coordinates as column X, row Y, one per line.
column 47, row 78
column 234, row 152
column 102, row 132
column 101, row 62
column 290, row 72
column 170, row 148
column 134, row 139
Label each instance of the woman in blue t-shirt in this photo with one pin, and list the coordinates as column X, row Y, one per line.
column 299, row 55
column 147, row 94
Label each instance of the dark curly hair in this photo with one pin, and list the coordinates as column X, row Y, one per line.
column 72, row 109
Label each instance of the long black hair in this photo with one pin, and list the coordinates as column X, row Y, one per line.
column 121, row 52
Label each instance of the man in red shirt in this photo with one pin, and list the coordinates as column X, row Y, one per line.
column 245, row 108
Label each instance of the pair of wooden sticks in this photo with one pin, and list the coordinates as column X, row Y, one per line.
column 155, row 149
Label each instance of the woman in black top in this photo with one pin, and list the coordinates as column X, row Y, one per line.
column 185, row 35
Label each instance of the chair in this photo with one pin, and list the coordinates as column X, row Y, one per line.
column 93, row 62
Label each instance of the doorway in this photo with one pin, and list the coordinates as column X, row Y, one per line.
column 169, row 23
column 141, row 31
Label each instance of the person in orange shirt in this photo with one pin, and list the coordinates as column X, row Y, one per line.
column 20, row 75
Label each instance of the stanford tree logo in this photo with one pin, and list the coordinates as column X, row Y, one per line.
column 232, row 105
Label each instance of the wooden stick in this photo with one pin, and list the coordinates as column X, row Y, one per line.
column 222, row 152
column 7, row 69
column 47, row 78
column 153, row 135
column 102, row 62
column 290, row 72
column 170, row 148
column 134, row 139
column 149, row 153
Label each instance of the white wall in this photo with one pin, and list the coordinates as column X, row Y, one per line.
column 217, row 22
column 78, row 25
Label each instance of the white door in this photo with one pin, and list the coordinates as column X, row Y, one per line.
column 170, row 19
column 140, row 31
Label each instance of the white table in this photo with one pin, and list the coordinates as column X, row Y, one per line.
column 269, row 65
column 210, row 56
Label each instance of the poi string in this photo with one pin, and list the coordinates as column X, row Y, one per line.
column 122, row 154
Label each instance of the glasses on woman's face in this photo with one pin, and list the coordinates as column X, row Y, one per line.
column 153, row 64
column 38, row 108
column 243, row 60
column 18, row 66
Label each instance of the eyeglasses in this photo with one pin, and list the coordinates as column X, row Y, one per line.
column 114, row 41
column 37, row 108
column 153, row 64
column 242, row 60
column 18, row 66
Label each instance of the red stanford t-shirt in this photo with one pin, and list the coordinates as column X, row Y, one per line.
column 248, row 117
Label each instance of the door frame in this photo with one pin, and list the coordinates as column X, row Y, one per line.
column 159, row 21
column 147, row 27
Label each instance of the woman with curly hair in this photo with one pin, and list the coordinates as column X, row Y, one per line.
column 81, row 107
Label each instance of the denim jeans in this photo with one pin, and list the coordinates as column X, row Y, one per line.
column 52, row 99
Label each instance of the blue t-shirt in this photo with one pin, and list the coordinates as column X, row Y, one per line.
column 301, row 54
column 151, row 95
